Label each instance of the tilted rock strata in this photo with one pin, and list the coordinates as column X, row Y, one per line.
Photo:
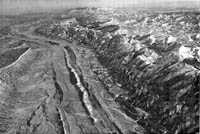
column 162, row 84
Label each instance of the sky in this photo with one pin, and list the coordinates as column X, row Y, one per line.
column 41, row 5
column 117, row 3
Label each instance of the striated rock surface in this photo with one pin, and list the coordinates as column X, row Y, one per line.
column 159, row 76
column 82, row 74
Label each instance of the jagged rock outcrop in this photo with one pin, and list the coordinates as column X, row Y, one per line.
column 161, row 83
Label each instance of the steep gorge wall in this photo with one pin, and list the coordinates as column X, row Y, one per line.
column 162, row 91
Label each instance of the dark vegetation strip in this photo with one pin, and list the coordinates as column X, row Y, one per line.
column 59, row 93
column 60, row 122
column 72, row 56
column 53, row 43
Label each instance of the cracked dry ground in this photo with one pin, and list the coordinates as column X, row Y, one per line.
column 45, row 92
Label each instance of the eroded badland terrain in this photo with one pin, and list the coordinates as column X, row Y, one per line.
column 100, row 71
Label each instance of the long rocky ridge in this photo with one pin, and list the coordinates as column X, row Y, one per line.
column 78, row 80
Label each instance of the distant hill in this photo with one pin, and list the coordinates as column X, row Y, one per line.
column 20, row 6
column 173, row 4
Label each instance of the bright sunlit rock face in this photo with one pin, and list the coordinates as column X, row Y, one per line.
column 185, row 52
column 171, row 39
column 189, row 52
column 149, row 60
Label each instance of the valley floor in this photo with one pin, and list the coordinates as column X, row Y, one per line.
column 51, row 89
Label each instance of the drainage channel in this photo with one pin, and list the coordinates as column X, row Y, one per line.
column 75, row 80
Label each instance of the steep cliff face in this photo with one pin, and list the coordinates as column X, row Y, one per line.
column 163, row 92
column 160, row 76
